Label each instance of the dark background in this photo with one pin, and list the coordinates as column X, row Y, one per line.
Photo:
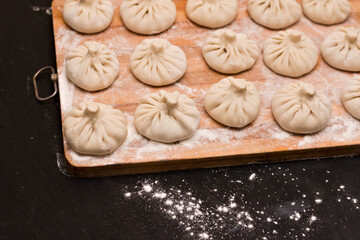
column 38, row 201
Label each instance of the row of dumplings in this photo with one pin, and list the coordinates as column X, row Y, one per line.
column 93, row 66
column 98, row 129
column 155, row 16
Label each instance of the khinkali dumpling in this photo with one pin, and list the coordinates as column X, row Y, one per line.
column 275, row 14
column 351, row 97
column 233, row 102
column 341, row 49
column 156, row 62
column 300, row 108
column 92, row 66
column 94, row 128
column 167, row 117
column 88, row 16
column 148, row 16
column 327, row 11
column 212, row 13
column 290, row 53
column 228, row 52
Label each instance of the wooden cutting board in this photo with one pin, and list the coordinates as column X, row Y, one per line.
column 213, row 144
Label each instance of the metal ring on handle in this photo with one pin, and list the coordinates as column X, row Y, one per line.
column 53, row 78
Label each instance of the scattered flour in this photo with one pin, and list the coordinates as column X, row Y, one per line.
column 48, row 10
column 60, row 159
column 234, row 211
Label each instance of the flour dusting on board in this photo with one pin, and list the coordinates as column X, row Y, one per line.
column 263, row 135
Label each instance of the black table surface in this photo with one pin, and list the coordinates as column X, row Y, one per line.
column 308, row 199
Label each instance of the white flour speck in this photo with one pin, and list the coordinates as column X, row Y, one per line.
column 252, row 176
column 36, row 8
column 204, row 236
column 312, row 219
column 147, row 188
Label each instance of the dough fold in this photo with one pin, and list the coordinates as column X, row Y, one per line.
column 148, row 16
column 351, row 97
column 274, row 14
column 156, row 62
column 88, row 16
column 92, row 66
column 212, row 13
column 94, row 128
column 228, row 52
column 300, row 108
column 290, row 53
column 233, row 102
column 327, row 12
column 167, row 117
column 341, row 49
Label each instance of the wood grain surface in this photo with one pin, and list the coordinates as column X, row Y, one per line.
column 213, row 144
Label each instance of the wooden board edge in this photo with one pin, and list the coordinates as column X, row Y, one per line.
column 196, row 163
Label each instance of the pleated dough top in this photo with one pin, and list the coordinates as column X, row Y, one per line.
column 274, row 14
column 290, row 53
column 148, row 16
column 351, row 97
column 233, row 102
column 341, row 49
column 327, row 11
column 167, row 117
column 88, row 16
column 92, row 66
column 228, row 52
column 94, row 128
column 212, row 13
column 157, row 62
column 300, row 108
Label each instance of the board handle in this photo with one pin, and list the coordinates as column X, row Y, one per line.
column 53, row 78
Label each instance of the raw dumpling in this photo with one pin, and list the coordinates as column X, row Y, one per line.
column 274, row 14
column 228, row 52
column 88, row 16
column 300, row 108
column 233, row 102
column 156, row 62
column 94, row 128
column 341, row 49
column 148, row 16
column 92, row 66
column 212, row 13
column 327, row 11
column 351, row 97
column 167, row 117
column 290, row 53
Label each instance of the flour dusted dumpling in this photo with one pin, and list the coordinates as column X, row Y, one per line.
column 300, row 108
column 351, row 97
column 341, row 49
column 212, row 13
column 92, row 66
column 327, row 11
column 156, row 62
column 88, row 16
column 148, row 16
column 94, row 128
column 167, row 117
column 228, row 52
column 290, row 53
column 274, row 14
column 233, row 102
